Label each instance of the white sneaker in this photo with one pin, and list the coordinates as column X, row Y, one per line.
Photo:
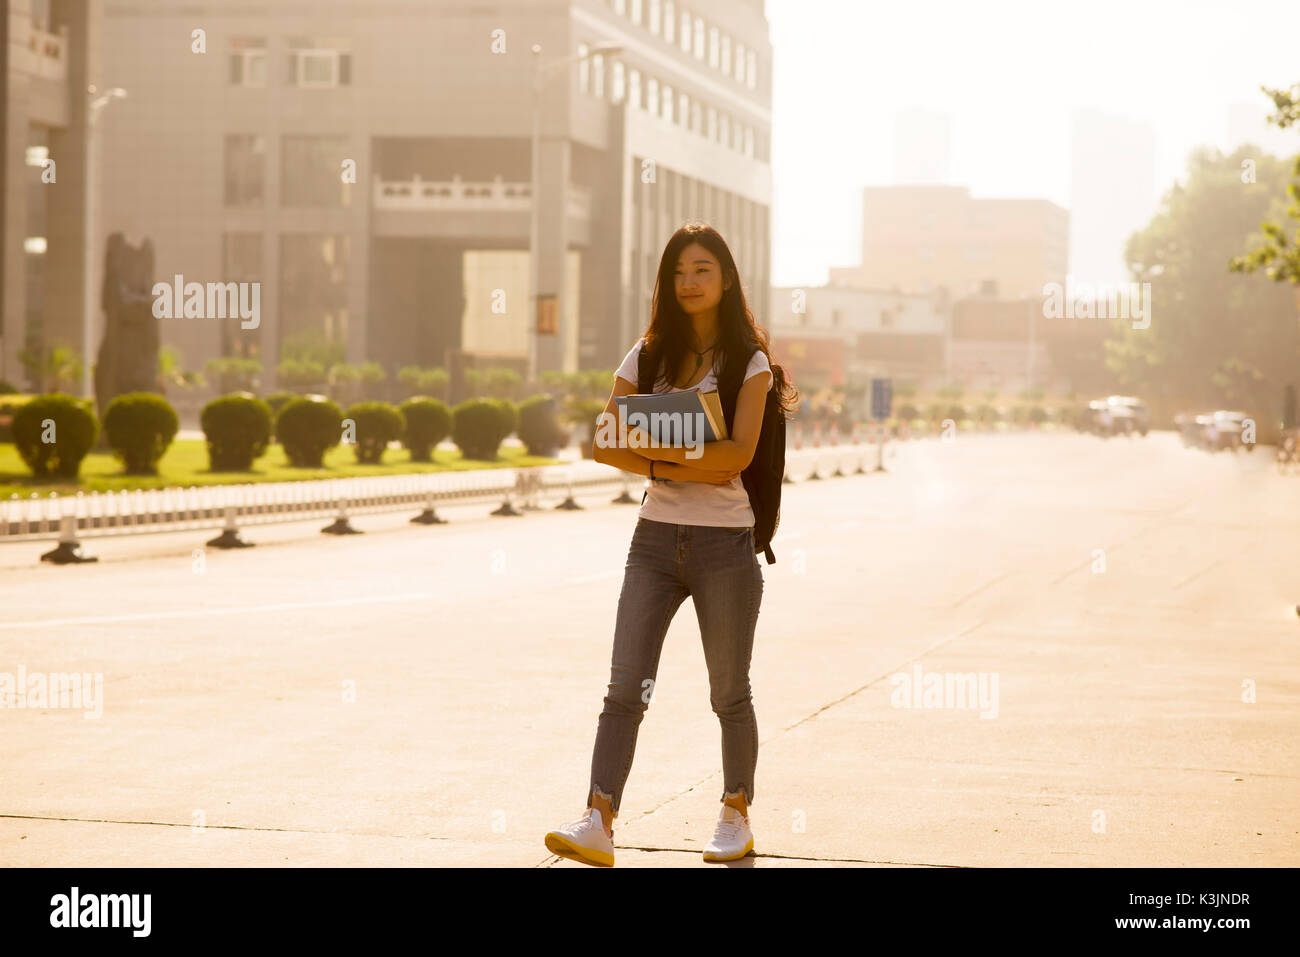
column 583, row 840
column 732, row 838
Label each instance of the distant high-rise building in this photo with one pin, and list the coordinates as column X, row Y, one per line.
column 921, row 147
column 923, row 238
column 1112, row 193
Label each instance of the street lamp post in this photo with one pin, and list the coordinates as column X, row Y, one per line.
column 540, row 72
column 96, row 104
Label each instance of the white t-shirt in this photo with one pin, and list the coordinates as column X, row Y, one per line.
column 695, row 503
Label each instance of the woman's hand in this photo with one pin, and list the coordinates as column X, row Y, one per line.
column 639, row 441
column 688, row 473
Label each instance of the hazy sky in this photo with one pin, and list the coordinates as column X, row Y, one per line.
column 1009, row 73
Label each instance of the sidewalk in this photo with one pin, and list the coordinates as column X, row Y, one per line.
column 479, row 651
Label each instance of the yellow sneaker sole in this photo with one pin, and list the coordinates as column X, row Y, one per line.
column 562, row 846
column 710, row 856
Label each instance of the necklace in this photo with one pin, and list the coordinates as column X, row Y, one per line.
column 699, row 356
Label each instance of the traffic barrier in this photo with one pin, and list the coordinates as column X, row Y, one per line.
column 228, row 511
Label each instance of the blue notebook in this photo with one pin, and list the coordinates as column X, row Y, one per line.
column 666, row 416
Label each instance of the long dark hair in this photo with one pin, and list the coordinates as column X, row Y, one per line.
column 667, row 337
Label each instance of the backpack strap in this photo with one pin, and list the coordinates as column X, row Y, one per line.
column 646, row 367
column 729, row 382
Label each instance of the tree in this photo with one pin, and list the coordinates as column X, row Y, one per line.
column 1278, row 257
column 1213, row 337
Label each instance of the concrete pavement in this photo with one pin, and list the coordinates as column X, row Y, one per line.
column 1126, row 594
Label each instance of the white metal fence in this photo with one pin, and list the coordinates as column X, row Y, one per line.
column 83, row 515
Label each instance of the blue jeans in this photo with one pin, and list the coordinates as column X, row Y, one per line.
column 717, row 567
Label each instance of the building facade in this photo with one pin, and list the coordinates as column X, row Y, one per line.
column 370, row 165
column 839, row 337
column 49, row 57
column 922, row 238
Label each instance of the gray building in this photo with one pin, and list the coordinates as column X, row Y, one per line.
column 49, row 54
column 369, row 163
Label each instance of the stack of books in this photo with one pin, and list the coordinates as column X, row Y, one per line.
column 671, row 418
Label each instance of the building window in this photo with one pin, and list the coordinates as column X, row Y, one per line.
column 836, row 315
column 670, row 20
column 634, row 87
column 751, row 69
column 313, row 295
column 699, row 38
column 697, row 123
column 725, row 132
column 713, row 47
column 598, row 75
column 319, row 63
column 654, row 17
column 740, row 63
column 248, row 61
column 245, row 169
column 711, row 125
column 686, row 32
column 241, row 261
column 311, row 171
column 616, row 81
column 666, row 101
column 652, row 96
column 620, row 7
column 726, row 53
column 684, row 108
column 635, row 12
column 584, row 69
column 749, row 141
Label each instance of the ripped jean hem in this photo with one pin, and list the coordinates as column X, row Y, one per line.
column 741, row 791
column 613, row 805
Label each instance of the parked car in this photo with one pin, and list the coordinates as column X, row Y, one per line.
column 1227, row 428
column 1097, row 419
column 1129, row 413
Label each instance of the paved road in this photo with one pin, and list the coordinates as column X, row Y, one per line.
column 479, row 651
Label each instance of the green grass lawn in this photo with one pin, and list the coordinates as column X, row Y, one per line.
column 186, row 463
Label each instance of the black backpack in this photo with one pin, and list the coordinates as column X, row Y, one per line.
column 762, row 477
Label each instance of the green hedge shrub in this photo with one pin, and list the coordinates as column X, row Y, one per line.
column 278, row 400
column 539, row 425
column 237, row 429
column 9, row 404
column 74, row 434
column 509, row 414
column 140, row 426
column 307, row 427
column 428, row 422
column 477, row 428
column 377, row 424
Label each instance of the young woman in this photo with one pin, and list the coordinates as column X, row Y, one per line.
column 694, row 536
